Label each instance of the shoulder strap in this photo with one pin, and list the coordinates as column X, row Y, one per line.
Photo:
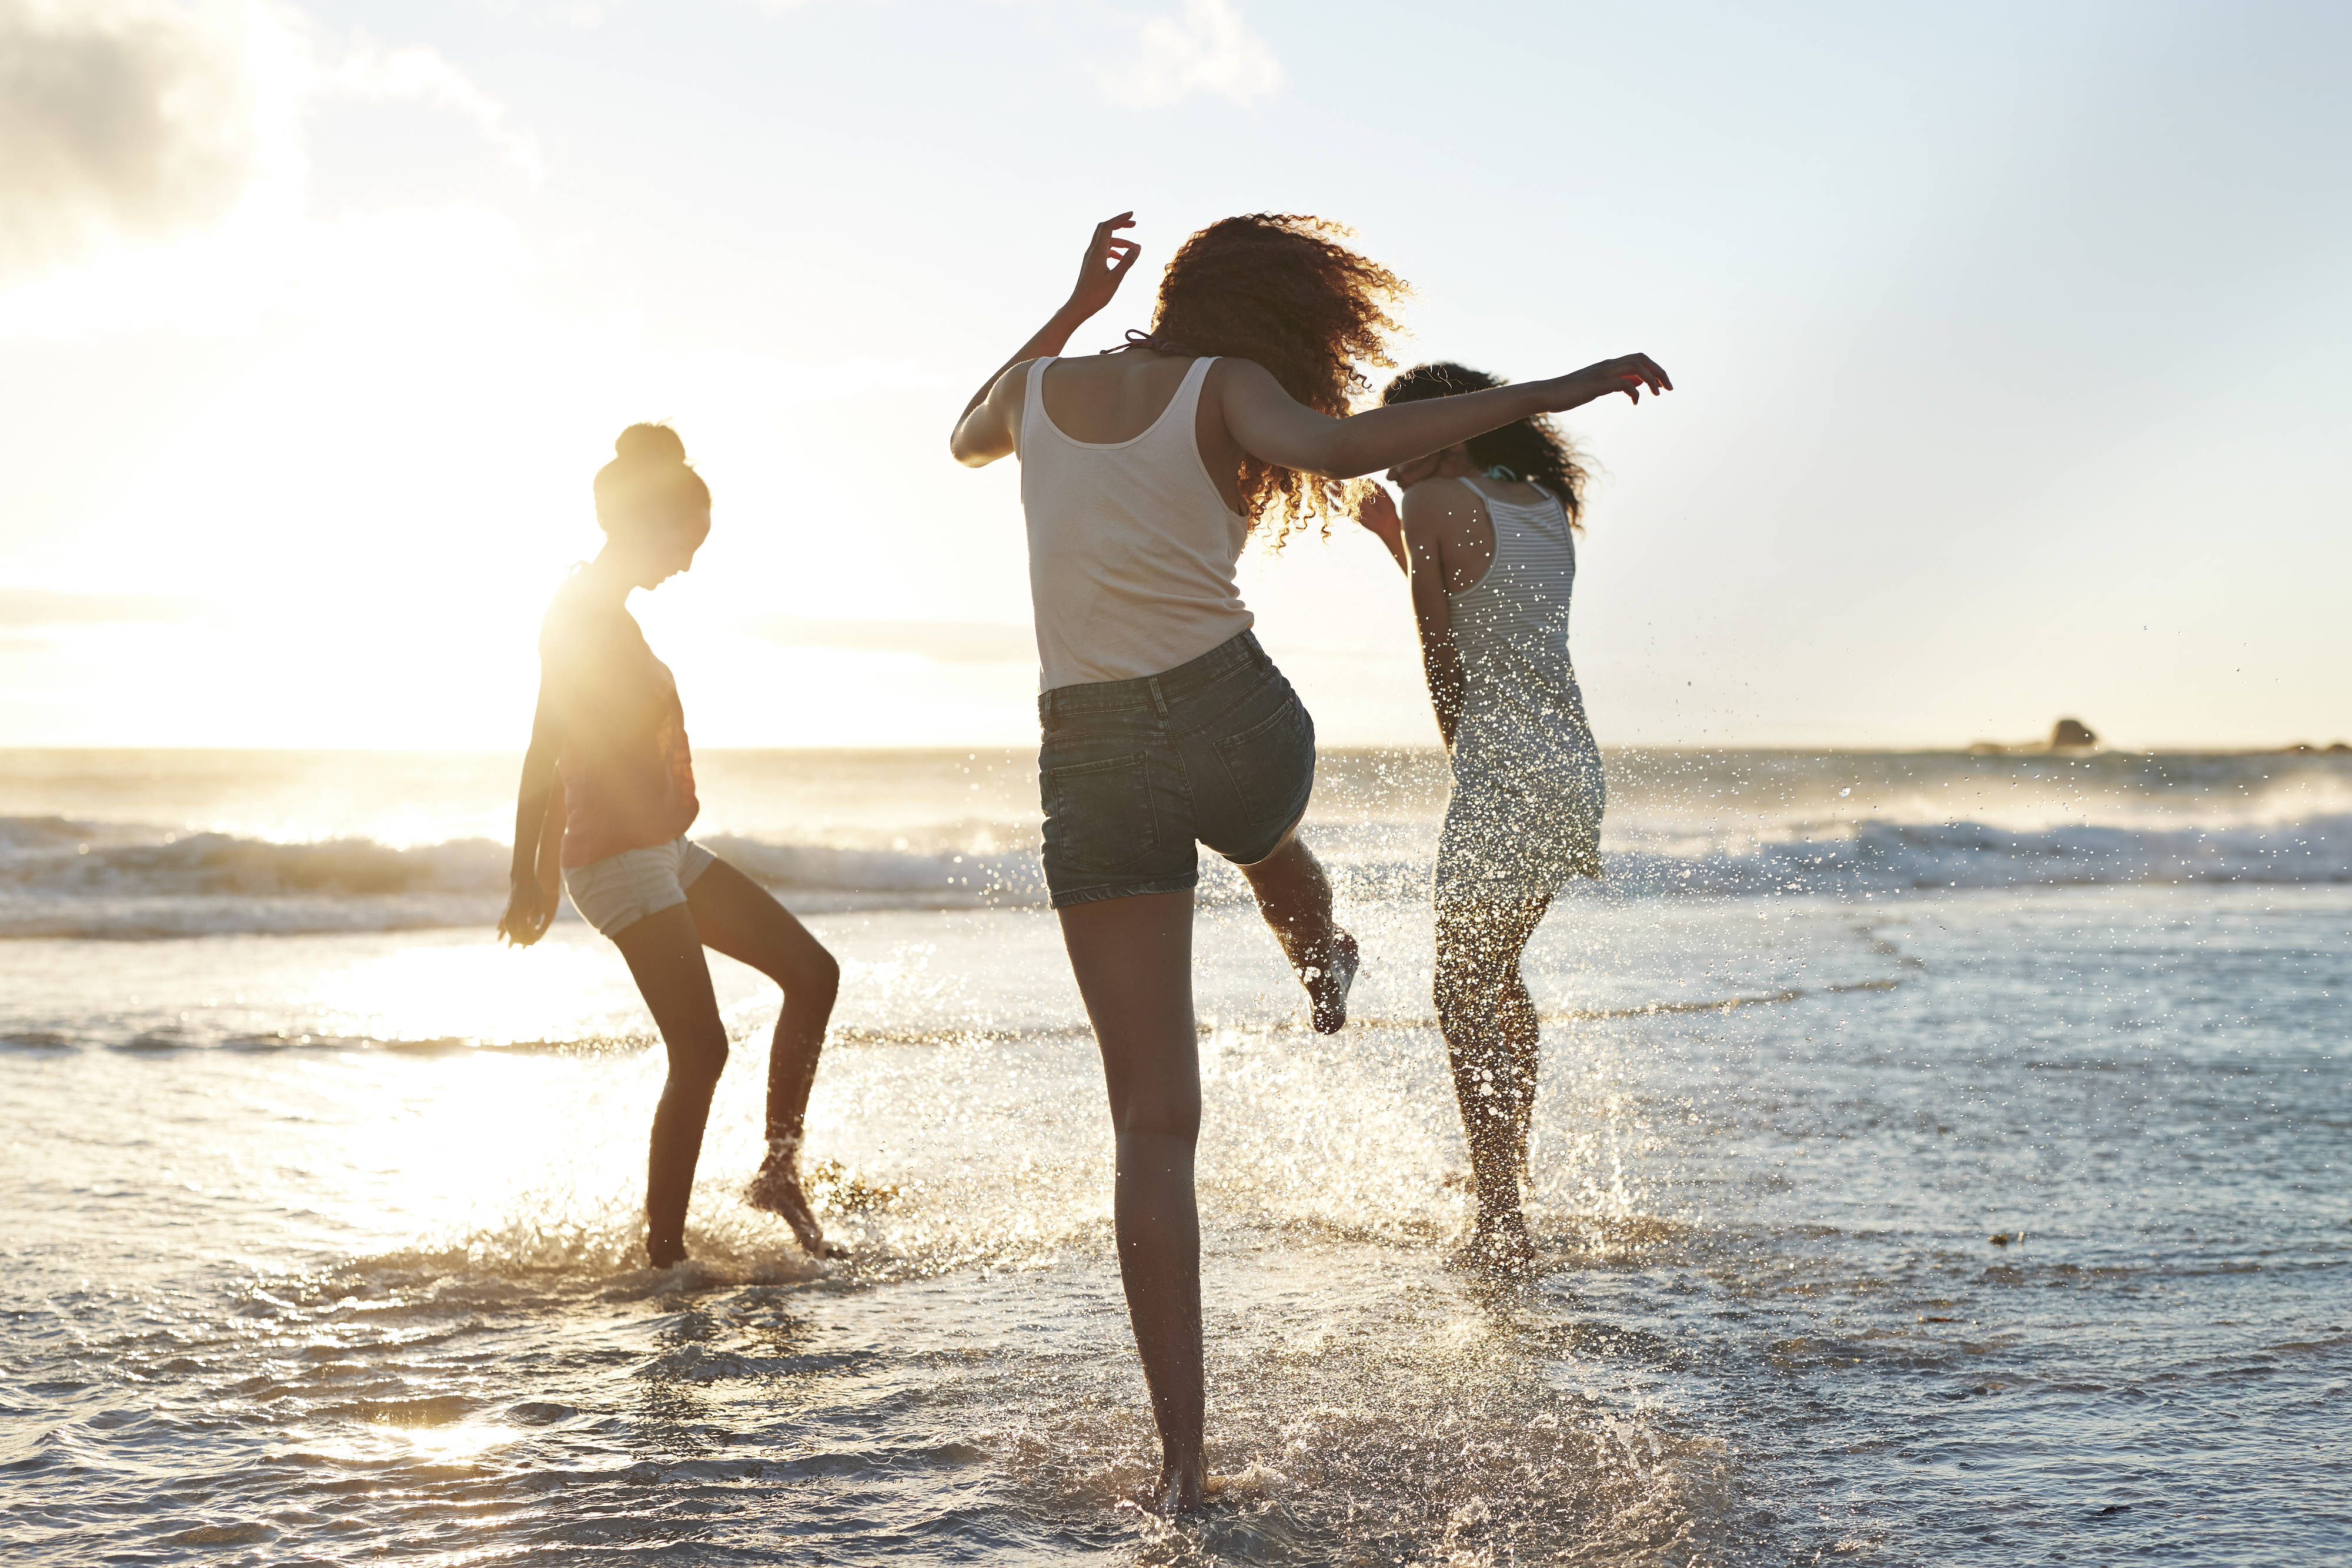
column 1032, row 401
column 1187, row 395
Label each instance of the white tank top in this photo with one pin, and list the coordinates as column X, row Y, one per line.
column 1132, row 548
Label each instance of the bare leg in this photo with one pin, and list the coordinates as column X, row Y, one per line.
column 1492, row 1044
column 1295, row 896
column 1133, row 960
column 665, row 953
column 737, row 916
column 1520, row 1035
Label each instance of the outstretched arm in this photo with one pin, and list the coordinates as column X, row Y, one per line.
column 1273, row 427
column 537, row 872
column 984, row 431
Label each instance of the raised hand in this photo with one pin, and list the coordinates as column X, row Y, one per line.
column 1379, row 515
column 1629, row 375
column 1108, row 258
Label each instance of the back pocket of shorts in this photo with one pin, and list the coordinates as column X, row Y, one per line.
column 1272, row 763
column 1098, row 815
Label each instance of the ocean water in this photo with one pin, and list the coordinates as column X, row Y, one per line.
column 1940, row 1159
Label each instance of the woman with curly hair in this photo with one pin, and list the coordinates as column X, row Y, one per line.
column 1143, row 472
column 1486, row 539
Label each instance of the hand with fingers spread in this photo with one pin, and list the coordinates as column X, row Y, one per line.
column 983, row 431
column 1628, row 374
column 1108, row 256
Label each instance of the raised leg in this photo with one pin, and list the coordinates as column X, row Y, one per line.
column 738, row 917
column 1492, row 1044
column 1133, row 960
column 1295, row 896
column 665, row 953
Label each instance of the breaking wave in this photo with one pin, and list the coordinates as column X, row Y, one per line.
column 63, row 878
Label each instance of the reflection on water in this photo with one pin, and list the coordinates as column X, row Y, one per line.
column 327, row 1251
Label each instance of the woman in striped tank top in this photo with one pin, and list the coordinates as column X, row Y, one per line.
column 1487, row 539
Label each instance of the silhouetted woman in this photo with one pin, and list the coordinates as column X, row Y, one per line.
column 1142, row 474
column 1487, row 539
column 609, row 780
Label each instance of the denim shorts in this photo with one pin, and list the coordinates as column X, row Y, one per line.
column 1133, row 773
column 615, row 892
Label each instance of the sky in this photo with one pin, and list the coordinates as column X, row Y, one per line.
column 2009, row 342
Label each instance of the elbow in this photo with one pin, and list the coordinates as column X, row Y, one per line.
column 973, row 453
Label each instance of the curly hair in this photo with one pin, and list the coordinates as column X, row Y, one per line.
column 1278, row 288
column 1532, row 449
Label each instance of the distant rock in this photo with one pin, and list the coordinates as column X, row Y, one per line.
column 2066, row 735
column 2071, row 735
column 2338, row 749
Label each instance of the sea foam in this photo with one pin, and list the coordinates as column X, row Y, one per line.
column 66, row 879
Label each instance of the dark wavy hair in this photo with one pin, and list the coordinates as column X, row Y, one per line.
column 1530, row 449
column 1278, row 288
column 648, row 481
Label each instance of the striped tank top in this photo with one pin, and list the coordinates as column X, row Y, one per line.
column 1523, row 726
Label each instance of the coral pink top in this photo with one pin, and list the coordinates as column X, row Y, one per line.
column 628, row 774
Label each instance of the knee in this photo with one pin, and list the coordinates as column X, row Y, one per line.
column 823, row 979
column 696, row 1064
column 1177, row 1119
column 815, row 980
column 1462, row 996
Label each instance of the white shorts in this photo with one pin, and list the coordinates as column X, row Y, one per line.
column 618, row 890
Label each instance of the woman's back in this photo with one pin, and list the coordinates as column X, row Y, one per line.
column 1132, row 547
column 1523, row 716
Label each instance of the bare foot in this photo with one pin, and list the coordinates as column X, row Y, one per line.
column 776, row 1189
column 665, row 1254
column 1500, row 1250
column 1185, row 1490
column 1326, row 985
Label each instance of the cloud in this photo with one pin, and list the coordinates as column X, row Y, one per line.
column 420, row 73
column 147, row 147
column 120, row 120
column 1206, row 51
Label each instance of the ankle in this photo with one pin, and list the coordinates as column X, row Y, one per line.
column 1319, row 958
column 1175, row 1469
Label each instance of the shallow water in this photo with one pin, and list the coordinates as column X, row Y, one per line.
column 327, row 1241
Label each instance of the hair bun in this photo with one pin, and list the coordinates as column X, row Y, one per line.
column 649, row 444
